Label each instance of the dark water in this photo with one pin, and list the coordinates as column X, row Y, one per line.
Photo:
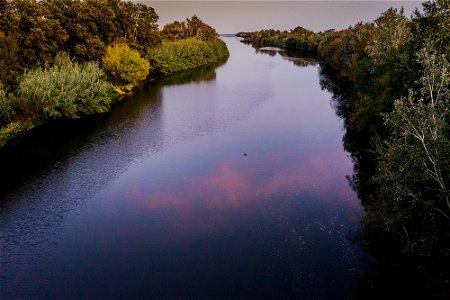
column 158, row 200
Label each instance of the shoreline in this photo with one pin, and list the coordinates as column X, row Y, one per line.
column 15, row 129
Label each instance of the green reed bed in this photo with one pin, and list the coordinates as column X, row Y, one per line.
column 175, row 56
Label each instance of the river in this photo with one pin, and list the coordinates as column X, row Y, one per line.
column 225, row 182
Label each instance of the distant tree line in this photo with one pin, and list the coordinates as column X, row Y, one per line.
column 69, row 58
column 298, row 39
column 391, row 83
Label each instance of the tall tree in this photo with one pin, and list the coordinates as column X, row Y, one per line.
column 37, row 35
column 414, row 171
column 191, row 28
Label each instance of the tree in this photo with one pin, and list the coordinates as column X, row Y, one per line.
column 93, row 24
column 38, row 36
column 10, row 61
column 191, row 28
column 391, row 35
column 197, row 28
column 414, row 169
column 434, row 23
column 145, row 28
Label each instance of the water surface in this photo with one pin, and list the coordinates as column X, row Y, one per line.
column 226, row 182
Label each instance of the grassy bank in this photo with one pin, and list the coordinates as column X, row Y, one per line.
column 176, row 56
column 64, row 90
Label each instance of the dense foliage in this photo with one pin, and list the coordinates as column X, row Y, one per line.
column 299, row 39
column 125, row 66
column 391, row 83
column 191, row 28
column 185, row 54
column 65, row 89
column 83, row 29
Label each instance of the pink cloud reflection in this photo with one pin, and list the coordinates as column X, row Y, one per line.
column 228, row 184
column 211, row 200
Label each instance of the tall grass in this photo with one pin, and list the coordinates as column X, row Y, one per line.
column 175, row 56
column 66, row 89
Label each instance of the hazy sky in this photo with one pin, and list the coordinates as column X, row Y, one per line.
column 234, row 16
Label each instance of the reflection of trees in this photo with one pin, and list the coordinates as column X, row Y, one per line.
column 296, row 57
column 301, row 61
column 206, row 73
column 59, row 141
column 267, row 51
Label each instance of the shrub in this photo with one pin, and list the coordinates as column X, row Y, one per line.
column 66, row 89
column 125, row 65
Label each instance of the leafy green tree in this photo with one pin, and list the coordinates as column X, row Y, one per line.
column 391, row 35
column 191, row 28
column 71, row 15
column 38, row 36
column 414, row 170
column 434, row 23
column 144, row 26
column 173, row 31
column 93, row 24
column 10, row 64
column 197, row 28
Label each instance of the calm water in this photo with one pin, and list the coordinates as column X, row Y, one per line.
column 158, row 200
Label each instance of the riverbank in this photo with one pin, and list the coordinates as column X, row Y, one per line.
column 167, row 59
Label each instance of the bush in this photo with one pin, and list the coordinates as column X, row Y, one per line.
column 185, row 54
column 125, row 65
column 66, row 89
